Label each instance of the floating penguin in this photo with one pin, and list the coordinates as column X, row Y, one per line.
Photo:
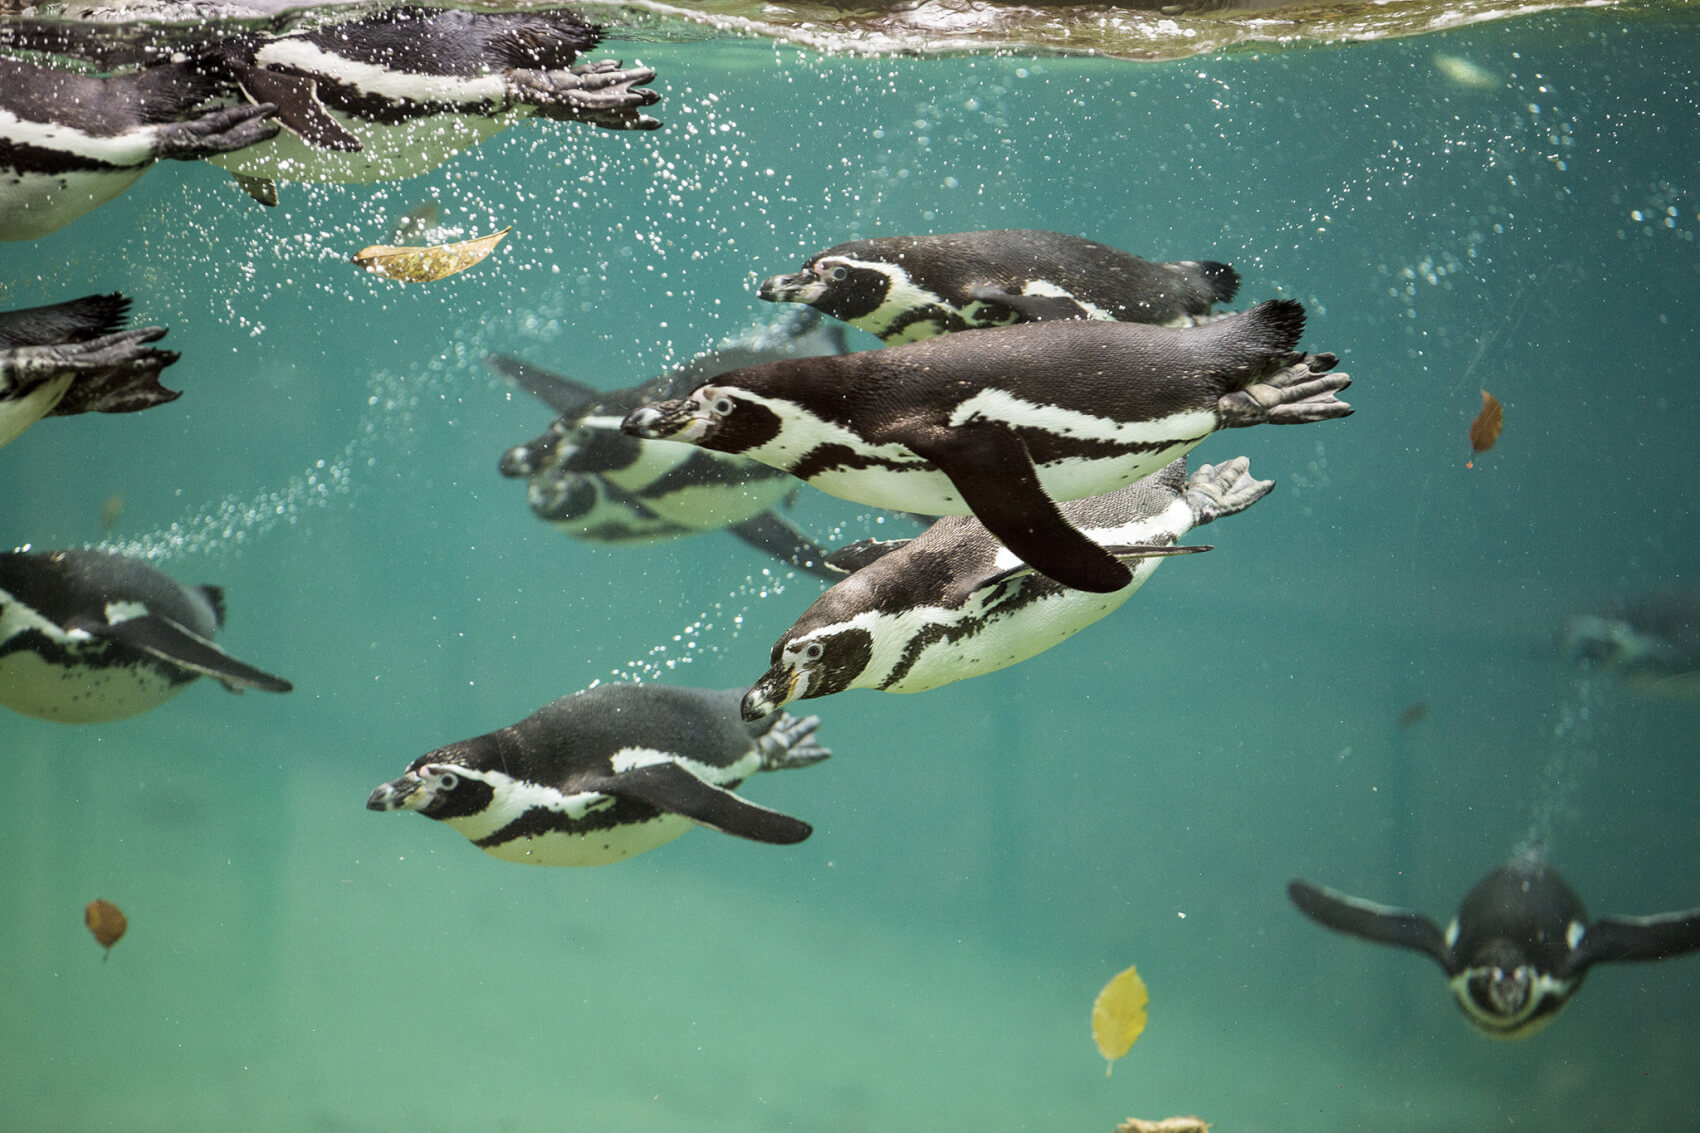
column 87, row 637
column 608, row 773
column 1519, row 946
column 905, row 288
column 392, row 95
column 71, row 142
column 1004, row 422
column 69, row 358
column 954, row 603
column 591, row 481
column 1652, row 642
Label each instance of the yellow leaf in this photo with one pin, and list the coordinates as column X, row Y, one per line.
column 422, row 265
column 1118, row 1016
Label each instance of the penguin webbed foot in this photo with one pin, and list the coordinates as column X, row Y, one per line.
column 1301, row 392
column 216, row 132
column 602, row 94
column 790, row 743
column 1215, row 490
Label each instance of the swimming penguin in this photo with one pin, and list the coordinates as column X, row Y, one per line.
column 1519, row 946
column 905, row 288
column 392, row 95
column 954, row 603
column 1004, row 422
column 591, row 481
column 88, row 636
column 69, row 358
column 1650, row 642
column 71, row 142
column 608, row 773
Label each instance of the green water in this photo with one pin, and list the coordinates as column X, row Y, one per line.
column 986, row 855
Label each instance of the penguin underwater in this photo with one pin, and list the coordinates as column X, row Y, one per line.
column 71, row 357
column 589, row 480
column 1651, row 642
column 70, row 142
column 394, row 94
column 954, row 603
column 1004, row 422
column 606, row 774
column 1519, row 946
column 906, row 288
column 87, row 637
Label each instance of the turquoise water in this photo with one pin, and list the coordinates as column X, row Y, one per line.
column 986, row 855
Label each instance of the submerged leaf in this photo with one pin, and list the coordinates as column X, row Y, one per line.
column 422, row 265
column 106, row 922
column 1118, row 1016
column 1484, row 430
column 1167, row 1125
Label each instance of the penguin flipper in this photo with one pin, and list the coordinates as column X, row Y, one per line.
column 672, row 788
column 299, row 110
column 1620, row 939
column 993, row 470
column 1123, row 552
column 566, row 396
column 852, row 557
column 1031, row 308
column 1380, row 923
column 165, row 639
column 770, row 532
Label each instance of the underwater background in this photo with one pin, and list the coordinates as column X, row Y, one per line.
column 1509, row 206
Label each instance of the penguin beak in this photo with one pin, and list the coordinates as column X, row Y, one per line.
column 776, row 689
column 799, row 287
column 397, row 794
column 679, row 420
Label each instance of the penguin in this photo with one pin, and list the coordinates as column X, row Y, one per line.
column 591, row 481
column 1650, row 642
column 88, row 636
column 1003, row 422
column 608, row 773
column 71, row 142
column 1519, row 946
column 394, row 94
column 954, row 603
column 906, row 288
column 69, row 358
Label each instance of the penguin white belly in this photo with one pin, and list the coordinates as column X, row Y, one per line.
column 388, row 152
column 93, row 694
column 35, row 204
column 18, row 414
column 595, row 847
column 707, row 507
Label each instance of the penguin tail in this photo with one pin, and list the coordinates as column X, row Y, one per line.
column 545, row 41
column 1222, row 280
column 75, row 320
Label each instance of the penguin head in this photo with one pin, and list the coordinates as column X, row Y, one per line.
column 1506, row 995
column 811, row 663
column 719, row 417
column 842, row 286
column 436, row 790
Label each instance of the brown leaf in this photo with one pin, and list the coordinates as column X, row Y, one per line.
column 106, row 922
column 1484, row 430
column 422, row 265
column 1167, row 1125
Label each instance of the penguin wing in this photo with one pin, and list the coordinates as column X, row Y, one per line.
column 771, row 532
column 1031, row 308
column 165, row 639
column 676, row 790
column 298, row 107
column 993, row 470
column 1619, row 939
column 852, row 557
column 1380, row 923
column 564, row 395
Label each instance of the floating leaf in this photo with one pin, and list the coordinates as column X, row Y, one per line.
column 422, row 265
column 1484, row 430
column 1167, row 1125
column 1414, row 713
column 1118, row 1016
column 106, row 922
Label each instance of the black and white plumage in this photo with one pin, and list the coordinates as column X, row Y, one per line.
column 391, row 95
column 955, row 603
column 591, row 481
column 69, row 358
column 608, row 773
column 1651, row 642
column 1519, row 946
column 906, row 288
column 88, row 636
column 1005, row 422
column 70, row 142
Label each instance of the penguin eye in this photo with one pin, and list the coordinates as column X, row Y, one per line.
column 838, row 273
column 723, row 405
column 448, row 780
column 814, row 651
